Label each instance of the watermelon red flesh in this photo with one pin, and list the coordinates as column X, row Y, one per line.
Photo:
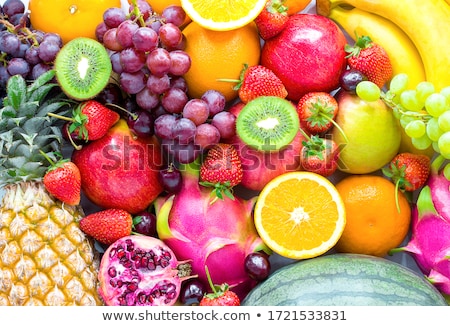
column 344, row 280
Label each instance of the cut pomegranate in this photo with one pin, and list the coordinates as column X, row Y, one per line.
column 141, row 271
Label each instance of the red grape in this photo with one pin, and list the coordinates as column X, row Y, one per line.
column 196, row 110
column 145, row 39
column 216, row 101
column 174, row 100
column 180, row 62
column 206, row 135
column 158, row 62
column 225, row 122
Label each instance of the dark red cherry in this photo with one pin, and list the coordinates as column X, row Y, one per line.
column 192, row 291
column 145, row 223
column 257, row 266
column 171, row 179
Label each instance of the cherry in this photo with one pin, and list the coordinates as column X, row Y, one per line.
column 257, row 266
column 192, row 292
column 171, row 179
column 350, row 78
column 145, row 223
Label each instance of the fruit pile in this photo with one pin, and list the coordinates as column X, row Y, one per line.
column 156, row 156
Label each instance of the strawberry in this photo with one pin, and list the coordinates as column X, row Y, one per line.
column 221, row 169
column 92, row 120
column 221, row 295
column 319, row 155
column 272, row 19
column 408, row 171
column 108, row 225
column 258, row 81
column 316, row 111
column 63, row 181
column 370, row 59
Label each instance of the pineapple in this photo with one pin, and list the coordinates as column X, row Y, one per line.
column 45, row 259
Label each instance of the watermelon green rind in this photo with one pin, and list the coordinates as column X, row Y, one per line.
column 345, row 280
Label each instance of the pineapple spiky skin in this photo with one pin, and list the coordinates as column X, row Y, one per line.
column 45, row 259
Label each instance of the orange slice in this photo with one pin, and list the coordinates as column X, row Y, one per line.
column 300, row 215
column 223, row 15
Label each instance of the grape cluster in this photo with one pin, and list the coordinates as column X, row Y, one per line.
column 200, row 124
column 148, row 57
column 23, row 50
column 423, row 112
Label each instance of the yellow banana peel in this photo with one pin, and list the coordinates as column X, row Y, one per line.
column 401, row 50
column 425, row 22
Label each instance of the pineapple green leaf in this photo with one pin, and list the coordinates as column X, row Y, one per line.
column 28, row 109
column 24, row 150
column 33, row 126
column 16, row 91
column 53, row 108
column 7, row 137
column 43, row 140
column 7, row 112
column 29, row 138
column 40, row 93
column 17, row 162
column 42, row 80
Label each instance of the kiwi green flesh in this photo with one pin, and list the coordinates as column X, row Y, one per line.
column 268, row 123
column 83, row 68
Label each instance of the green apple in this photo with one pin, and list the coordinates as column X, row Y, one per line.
column 373, row 134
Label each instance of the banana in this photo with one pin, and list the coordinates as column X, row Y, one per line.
column 426, row 22
column 402, row 52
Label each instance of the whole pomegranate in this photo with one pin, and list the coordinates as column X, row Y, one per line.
column 139, row 270
column 308, row 55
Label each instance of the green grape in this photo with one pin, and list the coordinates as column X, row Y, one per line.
column 405, row 119
column 368, row 91
column 444, row 121
column 421, row 143
column 435, row 146
column 446, row 171
column 433, row 130
column 415, row 129
column 436, row 104
column 409, row 100
column 397, row 114
column 444, row 144
column 424, row 89
column 446, row 92
column 398, row 83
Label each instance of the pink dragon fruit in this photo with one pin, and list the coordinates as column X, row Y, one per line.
column 430, row 233
column 218, row 235
column 139, row 270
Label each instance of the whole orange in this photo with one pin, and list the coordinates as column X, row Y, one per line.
column 159, row 5
column 295, row 6
column 69, row 18
column 374, row 223
column 219, row 55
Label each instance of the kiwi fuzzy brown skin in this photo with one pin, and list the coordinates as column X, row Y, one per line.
column 83, row 68
column 268, row 123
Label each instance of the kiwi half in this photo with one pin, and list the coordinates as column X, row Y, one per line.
column 268, row 123
column 83, row 68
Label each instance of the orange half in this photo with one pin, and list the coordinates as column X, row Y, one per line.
column 300, row 215
column 223, row 15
